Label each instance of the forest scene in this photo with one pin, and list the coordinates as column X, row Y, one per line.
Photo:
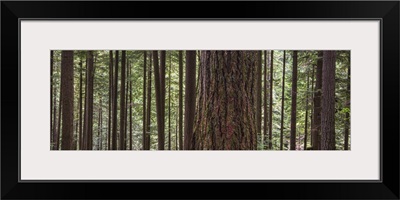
column 200, row 100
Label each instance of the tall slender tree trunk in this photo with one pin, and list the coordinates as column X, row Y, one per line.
column 306, row 117
column 122, row 143
column 328, row 102
column 148, row 114
column 67, row 84
column 162, row 98
column 312, row 105
column 159, row 106
column 115, row 105
column 144, row 99
column 99, row 128
column 130, row 108
column 347, row 116
column 55, row 136
column 265, row 99
column 190, row 99
column 52, row 121
column 259, row 92
column 180, row 100
column 80, row 102
column 271, row 84
column 169, row 102
column 317, row 104
column 89, row 102
column 283, row 99
column 58, row 138
column 126, row 103
column 226, row 111
column 294, row 104
column 110, row 98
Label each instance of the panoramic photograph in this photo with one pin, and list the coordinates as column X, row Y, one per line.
column 178, row 100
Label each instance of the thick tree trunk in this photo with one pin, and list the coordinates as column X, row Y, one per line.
column 148, row 114
column 315, row 132
column 89, row 102
column 271, row 84
column 122, row 141
column 259, row 92
column 110, row 98
column 159, row 101
column 347, row 117
column 283, row 99
column 294, row 104
column 180, row 100
column 115, row 106
column 144, row 99
column 190, row 99
column 67, row 83
column 225, row 117
column 328, row 102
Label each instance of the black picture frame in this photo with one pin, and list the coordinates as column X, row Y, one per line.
column 386, row 11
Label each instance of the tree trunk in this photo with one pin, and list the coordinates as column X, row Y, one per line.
column 67, row 83
column 317, row 104
column 271, row 84
column 110, row 98
column 148, row 114
column 283, row 99
column 115, row 106
column 225, row 117
column 294, row 104
column 169, row 102
column 99, row 128
column 180, row 100
column 306, row 117
column 89, row 102
column 190, row 99
column 265, row 99
column 130, row 108
column 80, row 102
column 328, row 102
column 258, row 91
column 122, row 143
column 52, row 121
column 159, row 107
column 347, row 117
column 312, row 106
column 144, row 99
column 162, row 98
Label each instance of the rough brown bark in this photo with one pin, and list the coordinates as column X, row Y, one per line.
column 67, row 83
column 180, row 100
column 315, row 132
column 271, row 84
column 259, row 92
column 144, row 99
column 294, row 104
column 122, row 141
column 159, row 107
column 347, row 116
column 190, row 100
column 283, row 99
column 312, row 106
column 114, row 111
column 328, row 102
column 225, row 117
column 88, row 129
